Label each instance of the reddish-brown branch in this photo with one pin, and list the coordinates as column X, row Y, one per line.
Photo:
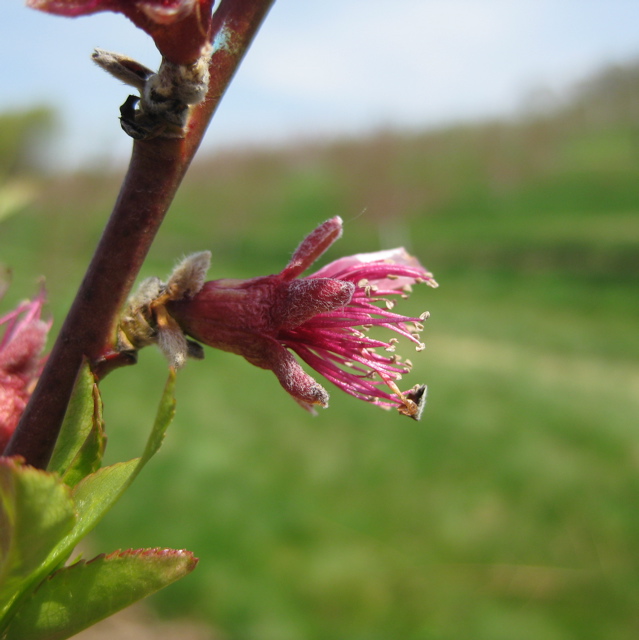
column 155, row 172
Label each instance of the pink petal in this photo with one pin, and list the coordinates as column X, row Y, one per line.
column 377, row 276
column 312, row 247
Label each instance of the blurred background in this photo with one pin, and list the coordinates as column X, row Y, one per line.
column 497, row 141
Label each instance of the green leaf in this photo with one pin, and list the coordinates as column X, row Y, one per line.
column 36, row 510
column 164, row 417
column 81, row 442
column 84, row 593
column 89, row 457
column 41, row 519
column 95, row 494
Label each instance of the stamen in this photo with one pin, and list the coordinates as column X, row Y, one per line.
column 366, row 286
column 395, row 389
column 409, row 409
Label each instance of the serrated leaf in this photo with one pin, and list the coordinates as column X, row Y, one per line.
column 81, row 422
column 95, row 494
column 36, row 510
column 84, row 593
column 91, row 497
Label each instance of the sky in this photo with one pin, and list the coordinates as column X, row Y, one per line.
column 326, row 68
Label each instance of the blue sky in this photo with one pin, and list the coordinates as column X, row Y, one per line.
column 329, row 67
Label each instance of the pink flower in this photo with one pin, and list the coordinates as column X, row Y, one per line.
column 323, row 318
column 20, row 361
column 178, row 27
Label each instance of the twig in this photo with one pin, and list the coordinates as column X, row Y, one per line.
column 155, row 172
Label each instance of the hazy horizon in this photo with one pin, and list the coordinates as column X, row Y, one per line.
column 331, row 68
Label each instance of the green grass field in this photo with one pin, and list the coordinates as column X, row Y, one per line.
column 512, row 509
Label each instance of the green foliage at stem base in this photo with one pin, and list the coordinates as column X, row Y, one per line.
column 84, row 593
column 44, row 514
column 80, row 446
column 36, row 511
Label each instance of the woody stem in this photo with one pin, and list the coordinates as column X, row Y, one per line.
column 155, row 172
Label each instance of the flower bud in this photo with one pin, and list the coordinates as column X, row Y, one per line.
column 21, row 361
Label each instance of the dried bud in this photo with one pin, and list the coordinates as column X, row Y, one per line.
column 145, row 320
column 165, row 99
